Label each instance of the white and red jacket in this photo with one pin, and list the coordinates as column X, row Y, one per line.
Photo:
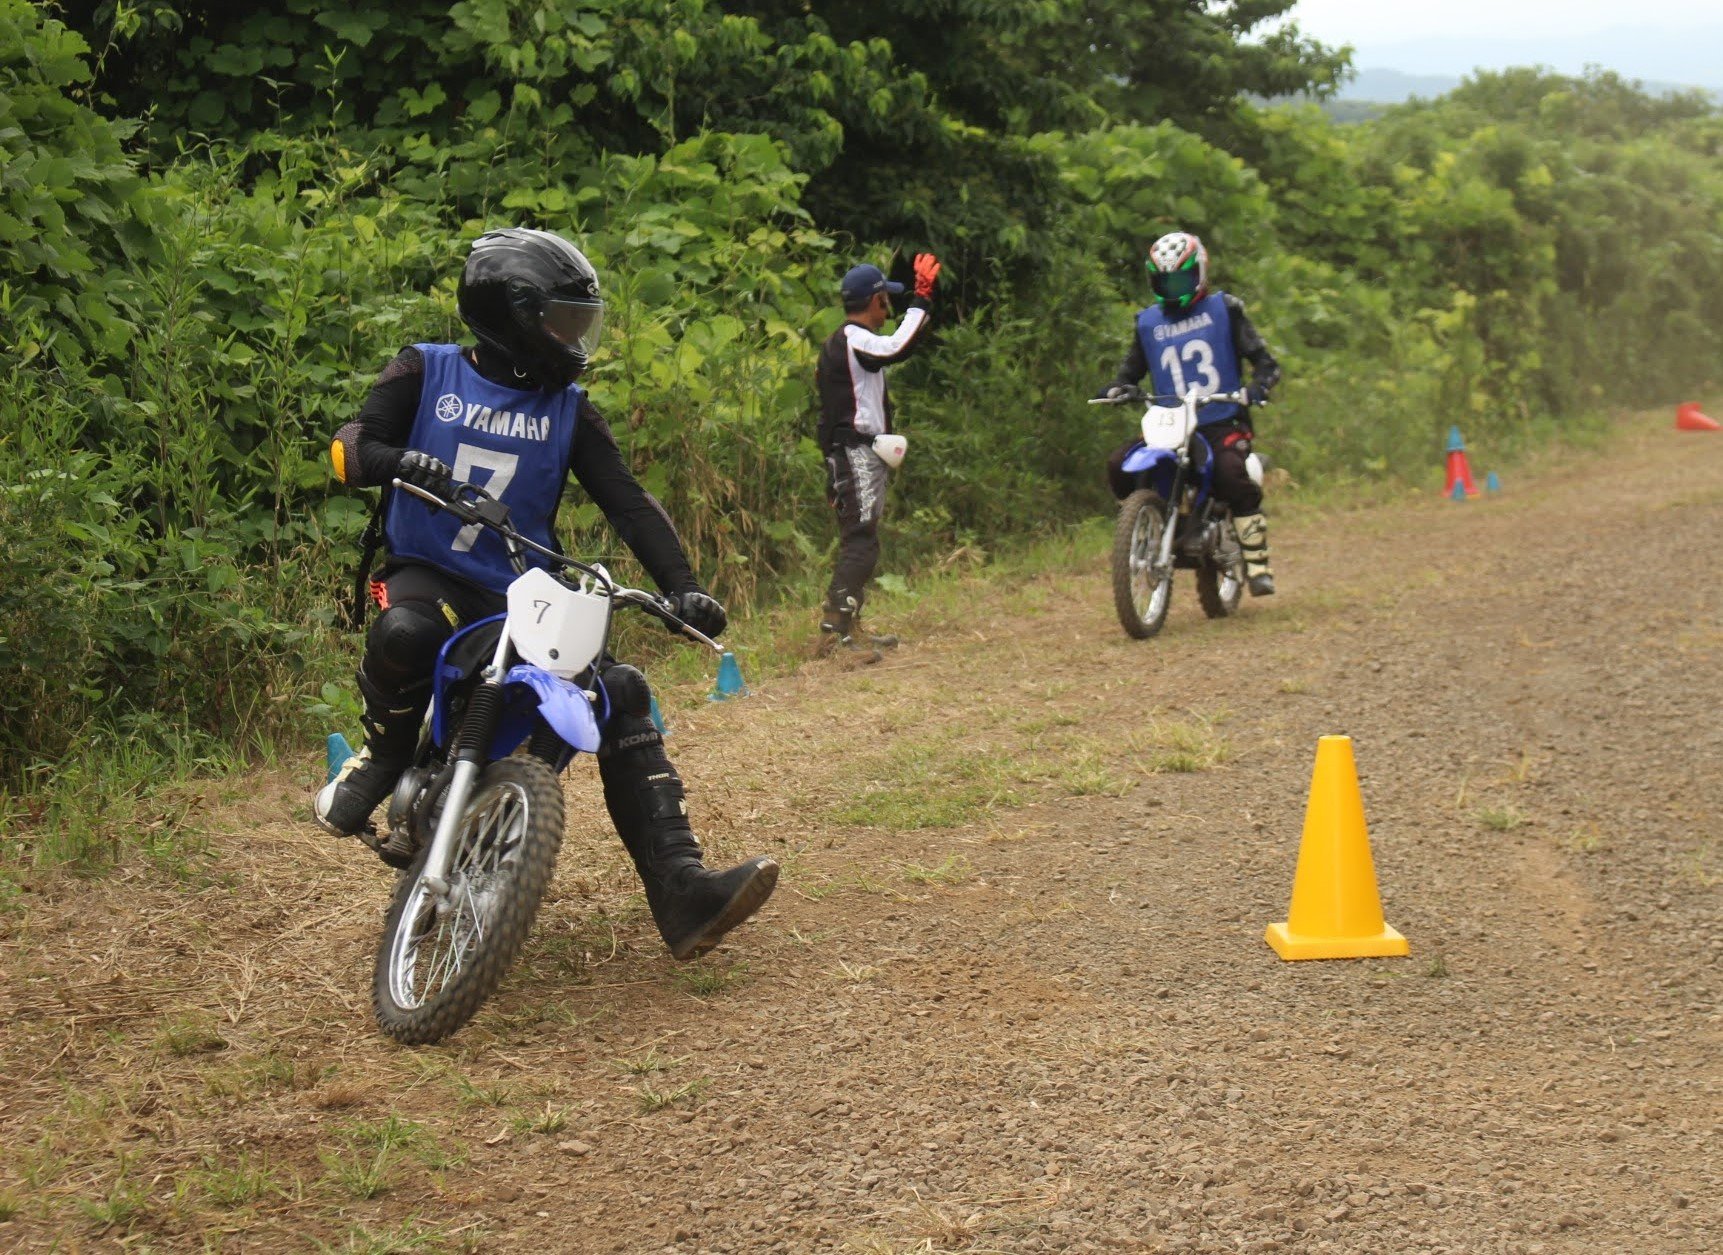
column 854, row 404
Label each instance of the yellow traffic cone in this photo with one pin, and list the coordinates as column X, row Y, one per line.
column 1336, row 912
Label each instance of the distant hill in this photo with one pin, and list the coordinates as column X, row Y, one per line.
column 1384, row 86
column 1664, row 59
column 1379, row 85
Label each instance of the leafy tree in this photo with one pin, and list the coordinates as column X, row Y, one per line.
column 74, row 215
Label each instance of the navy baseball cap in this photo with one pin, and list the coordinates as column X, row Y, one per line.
column 863, row 281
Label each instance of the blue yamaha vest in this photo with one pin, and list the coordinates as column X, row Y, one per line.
column 513, row 444
column 1192, row 348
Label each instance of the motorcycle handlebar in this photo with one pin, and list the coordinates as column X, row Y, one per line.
column 474, row 511
column 1136, row 395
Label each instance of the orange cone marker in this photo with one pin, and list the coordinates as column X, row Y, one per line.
column 1688, row 417
column 1336, row 912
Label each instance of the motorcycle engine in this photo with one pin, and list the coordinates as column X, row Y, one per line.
column 407, row 790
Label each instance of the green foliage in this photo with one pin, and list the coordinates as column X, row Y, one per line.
column 71, row 206
column 194, row 303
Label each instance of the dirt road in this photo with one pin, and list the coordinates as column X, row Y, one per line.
column 1012, row 995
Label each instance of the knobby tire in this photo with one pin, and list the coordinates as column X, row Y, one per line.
column 1210, row 574
column 518, row 895
column 1136, row 623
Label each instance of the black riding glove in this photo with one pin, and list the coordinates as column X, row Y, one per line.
column 700, row 611
column 424, row 471
column 1257, row 393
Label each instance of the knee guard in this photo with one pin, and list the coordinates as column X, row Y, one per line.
column 629, row 732
column 401, row 647
column 627, row 689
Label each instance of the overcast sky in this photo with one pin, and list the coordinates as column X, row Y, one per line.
column 1365, row 22
column 1659, row 41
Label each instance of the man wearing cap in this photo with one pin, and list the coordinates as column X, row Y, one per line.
column 856, row 438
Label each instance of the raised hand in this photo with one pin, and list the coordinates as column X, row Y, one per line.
column 926, row 275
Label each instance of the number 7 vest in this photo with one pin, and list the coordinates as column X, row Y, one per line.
column 1193, row 349
column 514, row 444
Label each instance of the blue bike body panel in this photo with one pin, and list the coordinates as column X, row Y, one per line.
column 529, row 693
column 513, row 443
column 1193, row 348
column 1159, row 465
column 532, row 692
column 446, row 673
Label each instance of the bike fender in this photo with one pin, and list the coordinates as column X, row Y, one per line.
column 531, row 692
column 1141, row 458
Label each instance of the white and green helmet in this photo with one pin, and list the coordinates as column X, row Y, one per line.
column 1178, row 270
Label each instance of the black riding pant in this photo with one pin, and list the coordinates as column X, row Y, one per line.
column 856, row 480
column 419, row 608
column 1229, row 444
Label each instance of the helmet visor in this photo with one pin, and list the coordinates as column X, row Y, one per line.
column 1178, row 286
column 574, row 324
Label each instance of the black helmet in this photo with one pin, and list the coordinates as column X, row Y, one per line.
column 533, row 297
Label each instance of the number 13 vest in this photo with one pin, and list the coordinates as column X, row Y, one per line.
column 1192, row 349
column 513, row 444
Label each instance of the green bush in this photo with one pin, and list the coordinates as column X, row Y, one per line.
column 183, row 343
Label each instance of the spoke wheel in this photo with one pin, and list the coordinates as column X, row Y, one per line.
column 1220, row 579
column 1140, row 594
column 442, row 955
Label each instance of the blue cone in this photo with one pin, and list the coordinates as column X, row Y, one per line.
column 729, row 679
column 1459, row 493
column 339, row 752
column 1455, row 444
column 658, row 718
column 1492, row 482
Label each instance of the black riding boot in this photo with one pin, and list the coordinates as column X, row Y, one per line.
column 692, row 906
column 391, row 738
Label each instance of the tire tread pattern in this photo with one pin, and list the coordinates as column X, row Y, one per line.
column 1134, row 624
column 461, row 999
column 1208, row 584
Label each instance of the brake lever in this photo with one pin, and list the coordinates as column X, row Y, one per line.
column 657, row 608
column 453, row 505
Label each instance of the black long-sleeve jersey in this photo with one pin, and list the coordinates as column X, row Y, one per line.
column 854, row 404
column 1247, row 342
column 373, row 443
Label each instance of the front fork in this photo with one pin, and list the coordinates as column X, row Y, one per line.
column 472, row 744
column 1169, row 531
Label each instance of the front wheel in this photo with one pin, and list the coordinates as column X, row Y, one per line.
column 1220, row 577
column 1140, row 594
column 442, row 956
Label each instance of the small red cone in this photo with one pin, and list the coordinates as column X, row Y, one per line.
column 1689, row 418
column 1459, row 474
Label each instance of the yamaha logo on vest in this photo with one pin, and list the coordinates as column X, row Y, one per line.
column 1167, row 330
column 450, row 408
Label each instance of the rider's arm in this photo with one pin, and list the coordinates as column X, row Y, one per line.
column 1248, row 343
column 1132, row 369
column 367, row 451
column 875, row 351
column 635, row 513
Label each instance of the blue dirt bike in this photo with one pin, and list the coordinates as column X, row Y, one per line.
column 475, row 826
column 1170, row 519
